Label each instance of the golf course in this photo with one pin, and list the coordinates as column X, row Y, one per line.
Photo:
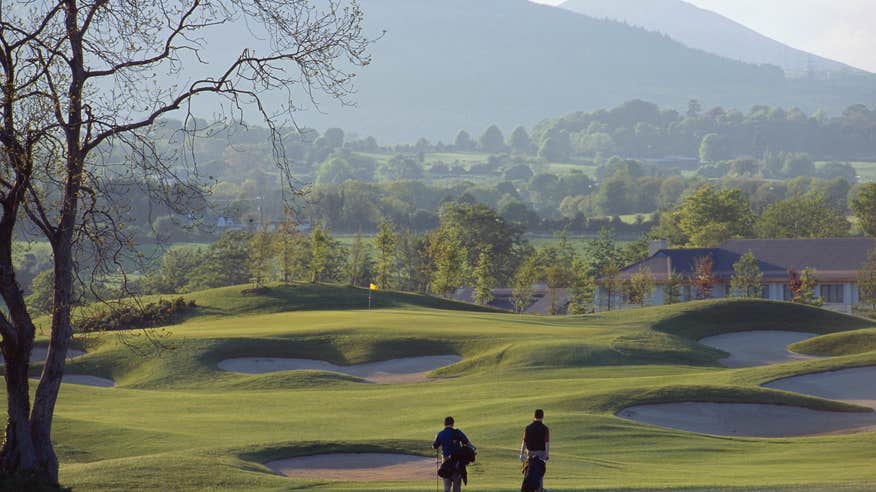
column 248, row 386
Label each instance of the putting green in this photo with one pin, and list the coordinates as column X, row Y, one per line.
column 175, row 420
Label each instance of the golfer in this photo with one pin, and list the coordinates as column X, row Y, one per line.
column 450, row 440
column 536, row 442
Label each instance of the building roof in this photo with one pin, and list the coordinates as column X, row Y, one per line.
column 834, row 259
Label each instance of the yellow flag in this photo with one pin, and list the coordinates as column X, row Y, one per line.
column 373, row 287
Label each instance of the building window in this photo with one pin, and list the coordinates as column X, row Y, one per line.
column 787, row 294
column 832, row 293
column 765, row 291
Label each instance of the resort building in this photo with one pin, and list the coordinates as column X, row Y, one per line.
column 836, row 262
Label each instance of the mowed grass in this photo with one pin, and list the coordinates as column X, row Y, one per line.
column 177, row 422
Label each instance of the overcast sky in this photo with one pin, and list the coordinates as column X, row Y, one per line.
column 843, row 30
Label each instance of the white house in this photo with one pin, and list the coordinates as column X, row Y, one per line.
column 836, row 262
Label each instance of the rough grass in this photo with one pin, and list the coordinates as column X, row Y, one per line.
column 177, row 422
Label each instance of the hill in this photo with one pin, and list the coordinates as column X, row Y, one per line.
column 445, row 65
column 178, row 418
column 709, row 31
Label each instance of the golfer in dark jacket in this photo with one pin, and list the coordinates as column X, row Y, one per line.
column 536, row 441
column 449, row 440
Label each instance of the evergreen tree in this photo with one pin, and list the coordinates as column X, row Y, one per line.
column 520, row 141
column 319, row 253
column 526, row 275
column 864, row 207
column 261, row 255
column 867, row 281
column 414, row 264
column 361, row 266
column 582, row 289
column 225, row 263
column 483, row 279
column 492, row 140
column 805, row 293
column 42, row 292
column 704, row 278
column 463, row 141
column 386, row 242
column 747, row 277
column 601, row 251
column 610, row 283
column 450, row 259
column 672, row 288
column 641, row 286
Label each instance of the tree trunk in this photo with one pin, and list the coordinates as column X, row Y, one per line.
column 18, row 455
column 53, row 371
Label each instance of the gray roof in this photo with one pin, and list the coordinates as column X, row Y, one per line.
column 832, row 258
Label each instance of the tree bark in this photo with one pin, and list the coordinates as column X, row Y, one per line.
column 50, row 381
column 18, row 455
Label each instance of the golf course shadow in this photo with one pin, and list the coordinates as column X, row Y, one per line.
column 394, row 371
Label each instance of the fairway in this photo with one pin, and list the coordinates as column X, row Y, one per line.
column 176, row 421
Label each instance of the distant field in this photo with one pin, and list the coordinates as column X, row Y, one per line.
column 566, row 168
column 175, row 421
column 866, row 170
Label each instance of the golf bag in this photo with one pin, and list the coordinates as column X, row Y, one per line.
column 533, row 473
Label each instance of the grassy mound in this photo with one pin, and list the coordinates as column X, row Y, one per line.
column 175, row 417
column 696, row 320
column 241, row 299
column 848, row 343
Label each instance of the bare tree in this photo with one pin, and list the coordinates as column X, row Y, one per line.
column 84, row 83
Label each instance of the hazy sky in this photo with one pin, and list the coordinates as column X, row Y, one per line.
column 839, row 29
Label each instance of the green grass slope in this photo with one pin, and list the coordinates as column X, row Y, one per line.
column 175, row 421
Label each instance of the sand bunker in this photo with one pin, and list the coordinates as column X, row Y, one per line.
column 358, row 467
column 850, row 385
column 757, row 348
column 406, row 370
column 86, row 380
column 39, row 354
column 750, row 420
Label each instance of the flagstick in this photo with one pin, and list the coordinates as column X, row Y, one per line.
column 369, row 299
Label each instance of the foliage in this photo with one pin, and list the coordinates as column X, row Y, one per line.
column 522, row 286
column 610, row 283
column 805, row 293
column 582, row 289
column 483, row 280
column 449, row 256
column 261, row 254
column 805, row 216
column 640, row 287
column 519, row 141
column 178, row 264
column 361, row 266
column 709, row 216
column 746, row 280
column 386, row 243
column 492, row 140
column 478, row 228
column 864, row 207
column 703, row 277
column 327, row 257
column 867, row 281
column 131, row 316
column 225, row 262
column 672, row 288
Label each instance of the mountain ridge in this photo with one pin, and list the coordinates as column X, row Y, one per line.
column 709, row 31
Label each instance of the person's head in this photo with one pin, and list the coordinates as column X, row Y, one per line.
column 448, row 422
column 539, row 414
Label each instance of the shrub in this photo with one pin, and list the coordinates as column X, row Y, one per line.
column 161, row 313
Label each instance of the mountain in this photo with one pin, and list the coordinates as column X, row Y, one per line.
column 706, row 30
column 445, row 65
